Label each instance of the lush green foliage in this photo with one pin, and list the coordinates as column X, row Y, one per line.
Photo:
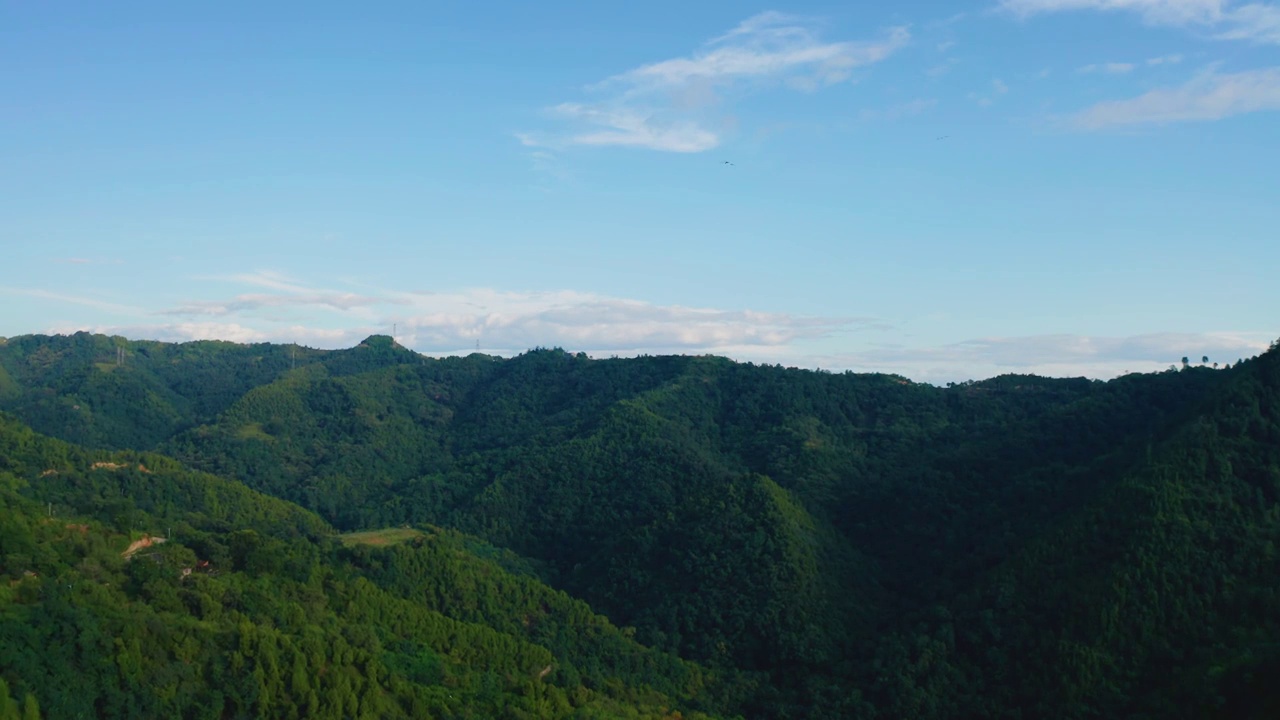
column 232, row 604
column 823, row 545
column 10, row 709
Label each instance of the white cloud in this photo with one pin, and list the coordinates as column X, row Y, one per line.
column 513, row 321
column 174, row 332
column 1164, row 12
column 1164, row 348
column 1111, row 68
column 254, row 301
column 668, row 105
column 1256, row 22
column 510, row 323
column 230, row 332
column 630, row 128
column 289, row 292
column 265, row 279
column 1208, row 96
column 503, row 321
column 764, row 50
column 1123, row 68
column 1049, row 355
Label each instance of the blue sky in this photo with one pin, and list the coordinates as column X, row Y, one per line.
column 945, row 190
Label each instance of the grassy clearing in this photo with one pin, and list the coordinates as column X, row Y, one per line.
column 387, row 536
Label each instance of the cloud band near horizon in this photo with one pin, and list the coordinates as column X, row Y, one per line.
column 506, row 323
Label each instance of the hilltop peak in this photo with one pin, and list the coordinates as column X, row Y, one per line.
column 378, row 341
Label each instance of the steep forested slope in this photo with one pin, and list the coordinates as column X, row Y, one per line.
column 836, row 545
column 109, row 392
column 718, row 507
column 1159, row 597
column 132, row 587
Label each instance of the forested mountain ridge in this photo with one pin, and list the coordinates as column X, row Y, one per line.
column 841, row 545
column 132, row 587
column 1158, row 598
column 108, row 392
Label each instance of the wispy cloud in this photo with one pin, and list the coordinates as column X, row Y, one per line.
column 513, row 321
column 629, row 127
column 998, row 87
column 1208, row 96
column 269, row 279
column 257, row 301
column 86, row 261
column 1049, row 355
column 1111, row 68
column 1124, row 68
column 289, row 292
column 1165, row 12
column 1163, row 348
column 228, row 331
column 768, row 45
column 941, row 68
column 671, row 105
column 81, row 300
column 504, row 321
column 548, row 167
column 579, row 322
column 1256, row 22
column 948, row 21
